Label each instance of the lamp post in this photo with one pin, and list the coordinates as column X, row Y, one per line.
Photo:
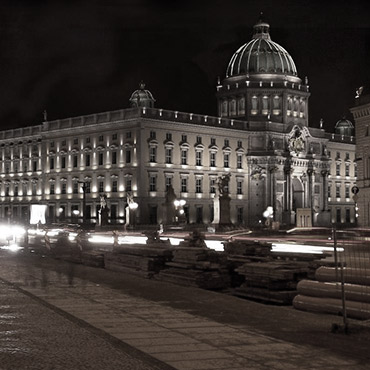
column 83, row 187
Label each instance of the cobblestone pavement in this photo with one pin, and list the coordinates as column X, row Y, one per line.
column 54, row 315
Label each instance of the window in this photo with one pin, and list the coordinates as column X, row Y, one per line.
column 199, row 140
column 101, row 186
column 184, row 138
column 240, row 215
column 347, row 169
column 63, row 164
column 226, row 142
column 24, row 189
column 114, row 186
column 168, row 155
column 7, row 191
column 347, row 156
column 184, row 156
column 184, row 185
column 101, row 159
column 128, row 135
column 34, row 166
column 75, row 160
column 355, row 167
column 212, row 186
column 16, row 190
column 347, row 190
column 75, row 187
column 128, row 156
column 153, row 154
column 87, row 160
column 329, row 190
column 75, row 141
column 239, row 186
column 212, row 159
column 87, row 140
column 337, row 171
column 337, row 190
column 16, row 167
column 198, row 185
column 87, row 187
column 52, row 163
column 240, row 144
column 128, row 185
column 168, row 136
column 152, row 134
column 114, row 137
column 114, row 157
column 52, row 144
column 153, row 183
column 338, row 155
column 64, row 188
column 213, row 141
column 226, row 160
column 239, row 161
column 168, row 182
column 348, row 215
column 52, row 189
column 198, row 158
column 339, row 218
column 64, row 142
column 101, row 138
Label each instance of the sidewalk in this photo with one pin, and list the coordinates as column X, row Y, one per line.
column 184, row 328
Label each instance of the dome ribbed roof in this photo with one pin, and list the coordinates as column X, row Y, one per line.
column 261, row 55
column 344, row 123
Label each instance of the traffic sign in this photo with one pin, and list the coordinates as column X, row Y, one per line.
column 355, row 189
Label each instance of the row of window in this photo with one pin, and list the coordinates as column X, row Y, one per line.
column 347, row 170
column 338, row 187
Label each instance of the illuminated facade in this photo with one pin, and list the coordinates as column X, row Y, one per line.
column 361, row 114
column 261, row 138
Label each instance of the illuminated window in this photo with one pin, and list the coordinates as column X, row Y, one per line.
column 184, row 156
column 239, row 161
column 101, row 186
column 168, row 182
column 212, row 186
column 114, row 186
column 153, row 154
column 347, row 169
column 153, row 183
column 168, row 155
column 239, row 186
column 198, row 158
column 52, row 189
column 329, row 190
column 226, row 160
column 87, row 187
column 212, row 159
column 75, row 187
column 184, row 185
column 64, row 188
column 347, row 190
column 198, row 185
column 337, row 171
column 337, row 190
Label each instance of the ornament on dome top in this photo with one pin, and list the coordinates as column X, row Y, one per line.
column 321, row 123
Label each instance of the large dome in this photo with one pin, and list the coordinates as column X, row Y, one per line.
column 261, row 56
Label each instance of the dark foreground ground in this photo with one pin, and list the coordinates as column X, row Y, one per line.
column 58, row 315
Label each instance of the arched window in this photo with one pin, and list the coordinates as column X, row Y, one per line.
column 241, row 107
column 265, row 105
column 254, row 109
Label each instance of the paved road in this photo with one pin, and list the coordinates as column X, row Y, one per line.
column 64, row 316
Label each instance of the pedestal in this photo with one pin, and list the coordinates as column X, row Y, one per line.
column 224, row 210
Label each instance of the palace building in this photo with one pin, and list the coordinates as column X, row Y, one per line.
column 261, row 138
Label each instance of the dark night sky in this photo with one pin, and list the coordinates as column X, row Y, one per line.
column 87, row 56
